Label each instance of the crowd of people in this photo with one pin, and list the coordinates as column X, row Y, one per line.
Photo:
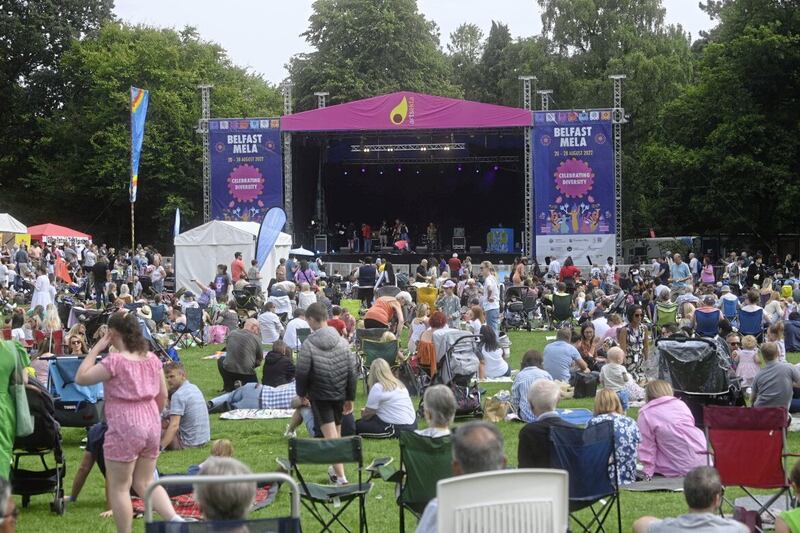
column 296, row 349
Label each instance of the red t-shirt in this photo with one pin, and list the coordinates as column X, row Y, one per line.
column 338, row 324
column 237, row 270
column 366, row 232
column 454, row 263
column 569, row 272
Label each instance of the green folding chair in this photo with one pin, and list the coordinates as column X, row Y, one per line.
column 334, row 499
column 424, row 461
column 373, row 350
column 562, row 311
column 665, row 314
column 302, row 335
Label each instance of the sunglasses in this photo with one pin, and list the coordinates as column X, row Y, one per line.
column 75, row 342
column 637, row 315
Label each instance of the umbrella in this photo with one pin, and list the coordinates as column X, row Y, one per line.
column 301, row 251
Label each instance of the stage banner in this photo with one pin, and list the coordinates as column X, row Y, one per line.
column 246, row 168
column 574, row 185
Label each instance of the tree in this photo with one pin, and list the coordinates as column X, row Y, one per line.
column 491, row 69
column 35, row 34
column 728, row 149
column 81, row 163
column 365, row 48
column 465, row 49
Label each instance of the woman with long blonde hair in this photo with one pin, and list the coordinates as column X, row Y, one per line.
column 389, row 409
column 51, row 322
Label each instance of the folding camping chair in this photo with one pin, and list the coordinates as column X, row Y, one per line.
column 511, row 501
column 729, row 310
column 588, row 455
column 749, row 448
column 373, row 350
column 302, row 335
column 666, row 313
column 159, row 314
column 424, row 461
column 562, row 311
column 333, row 498
column 76, row 405
column 751, row 323
column 193, row 327
column 387, row 290
column 707, row 323
column 373, row 334
column 289, row 524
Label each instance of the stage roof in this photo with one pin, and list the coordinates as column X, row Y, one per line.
column 404, row 111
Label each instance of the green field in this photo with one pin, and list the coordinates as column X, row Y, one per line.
column 259, row 443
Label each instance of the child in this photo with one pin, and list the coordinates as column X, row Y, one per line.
column 748, row 359
column 475, row 319
column 614, row 376
column 418, row 325
column 450, row 304
column 336, row 321
column 17, row 329
column 775, row 334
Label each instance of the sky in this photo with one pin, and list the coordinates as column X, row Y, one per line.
column 262, row 34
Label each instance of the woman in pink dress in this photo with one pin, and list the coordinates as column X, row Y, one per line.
column 135, row 393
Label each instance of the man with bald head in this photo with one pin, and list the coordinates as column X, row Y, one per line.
column 243, row 354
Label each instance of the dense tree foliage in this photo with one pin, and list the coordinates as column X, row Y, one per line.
column 364, row 48
column 80, row 164
column 711, row 146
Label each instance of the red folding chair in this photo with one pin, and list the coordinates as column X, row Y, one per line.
column 748, row 445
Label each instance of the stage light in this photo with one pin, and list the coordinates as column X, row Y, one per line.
column 417, row 171
column 408, row 147
column 496, row 168
column 477, row 171
column 399, row 169
column 345, row 173
column 363, row 170
column 459, row 168
column 380, row 172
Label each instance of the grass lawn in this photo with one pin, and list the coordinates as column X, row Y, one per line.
column 259, row 443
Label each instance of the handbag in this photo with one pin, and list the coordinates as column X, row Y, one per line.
column 17, row 389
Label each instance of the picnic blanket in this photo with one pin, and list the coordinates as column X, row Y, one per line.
column 256, row 414
column 187, row 507
column 657, row 484
column 217, row 355
column 504, row 379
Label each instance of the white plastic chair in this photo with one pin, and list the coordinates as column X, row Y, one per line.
column 512, row 501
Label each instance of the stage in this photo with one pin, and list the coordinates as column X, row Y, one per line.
column 408, row 262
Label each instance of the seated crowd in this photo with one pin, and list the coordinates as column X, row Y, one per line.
column 295, row 350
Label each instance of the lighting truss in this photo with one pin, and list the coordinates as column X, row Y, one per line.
column 420, row 147
column 438, row 160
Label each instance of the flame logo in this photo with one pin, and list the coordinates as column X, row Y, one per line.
column 398, row 114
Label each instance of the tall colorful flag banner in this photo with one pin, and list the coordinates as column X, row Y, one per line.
column 574, row 185
column 139, row 99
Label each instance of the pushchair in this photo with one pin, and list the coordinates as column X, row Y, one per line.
column 519, row 305
column 45, row 439
column 457, row 366
column 77, row 406
column 700, row 372
column 248, row 300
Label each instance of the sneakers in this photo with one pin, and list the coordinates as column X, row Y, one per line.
column 334, row 479
column 289, row 434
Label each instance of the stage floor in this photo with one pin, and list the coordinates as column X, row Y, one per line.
column 413, row 258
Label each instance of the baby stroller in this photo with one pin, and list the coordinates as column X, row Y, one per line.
column 700, row 372
column 76, row 406
column 246, row 302
column 519, row 306
column 45, row 439
column 457, row 366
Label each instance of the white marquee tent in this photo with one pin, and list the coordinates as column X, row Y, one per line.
column 198, row 251
column 9, row 224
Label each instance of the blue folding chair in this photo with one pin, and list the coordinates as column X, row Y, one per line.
column 75, row 405
column 729, row 310
column 588, row 456
column 159, row 314
column 751, row 323
column 706, row 323
column 193, row 327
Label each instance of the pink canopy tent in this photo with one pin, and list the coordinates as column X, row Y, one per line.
column 49, row 232
column 407, row 111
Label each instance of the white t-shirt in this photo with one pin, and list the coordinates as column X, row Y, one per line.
column 475, row 326
column 304, row 299
column 393, row 407
column 495, row 365
column 3, row 274
column 271, row 327
column 600, row 327
column 18, row 334
column 491, row 294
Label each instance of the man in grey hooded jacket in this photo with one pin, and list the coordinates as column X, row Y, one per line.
column 326, row 375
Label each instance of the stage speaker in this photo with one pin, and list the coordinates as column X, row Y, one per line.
column 475, row 250
column 386, row 249
column 459, row 243
column 345, row 250
column 458, row 232
column 422, row 249
column 321, row 244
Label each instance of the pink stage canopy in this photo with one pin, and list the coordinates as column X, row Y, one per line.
column 407, row 111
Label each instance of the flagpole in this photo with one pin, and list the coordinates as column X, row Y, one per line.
column 130, row 180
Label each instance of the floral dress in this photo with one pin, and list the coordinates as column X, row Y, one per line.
column 635, row 343
column 626, row 439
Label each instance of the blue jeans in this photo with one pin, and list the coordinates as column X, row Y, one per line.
column 624, row 399
column 367, row 245
column 248, row 396
column 493, row 320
